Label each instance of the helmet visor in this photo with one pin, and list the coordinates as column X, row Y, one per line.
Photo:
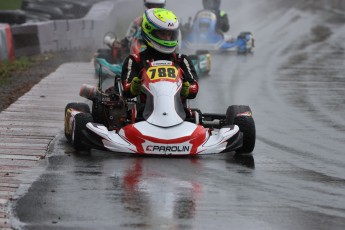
column 154, row 5
column 165, row 35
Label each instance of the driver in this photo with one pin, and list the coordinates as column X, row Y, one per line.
column 135, row 26
column 222, row 17
column 160, row 31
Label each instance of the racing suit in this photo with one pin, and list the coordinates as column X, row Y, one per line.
column 134, row 64
column 122, row 48
column 134, row 30
column 222, row 21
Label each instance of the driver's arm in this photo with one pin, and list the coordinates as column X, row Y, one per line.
column 223, row 21
column 189, row 75
column 130, row 70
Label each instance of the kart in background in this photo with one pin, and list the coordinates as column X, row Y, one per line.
column 203, row 34
column 163, row 125
column 113, row 56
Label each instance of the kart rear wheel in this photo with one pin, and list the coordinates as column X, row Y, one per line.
column 205, row 55
column 235, row 110
column 247, row 40
column 79, row 140
column 82, row 107
column 241, row 115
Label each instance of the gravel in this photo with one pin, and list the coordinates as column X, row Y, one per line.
column 41, row 66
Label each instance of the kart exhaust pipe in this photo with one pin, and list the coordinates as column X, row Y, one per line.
column 89, row 92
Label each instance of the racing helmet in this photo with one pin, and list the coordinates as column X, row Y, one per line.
column 154, row 3
column 211, row 4
column 160, row 29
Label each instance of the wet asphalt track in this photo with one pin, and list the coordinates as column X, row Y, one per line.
column 295, row 84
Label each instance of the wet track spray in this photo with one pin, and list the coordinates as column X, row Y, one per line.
column 294, row 83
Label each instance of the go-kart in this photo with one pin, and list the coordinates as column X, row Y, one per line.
column 203, row 33
column 158, row 122
column 112, row 57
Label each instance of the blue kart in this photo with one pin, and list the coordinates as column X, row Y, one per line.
column 202, row 34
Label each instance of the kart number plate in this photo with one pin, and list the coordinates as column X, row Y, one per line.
column 161, row 72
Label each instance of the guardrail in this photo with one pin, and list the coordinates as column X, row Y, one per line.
column 336, row 5
column 6, row 45
column 59, row 35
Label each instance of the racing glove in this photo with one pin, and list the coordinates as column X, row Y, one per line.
column 185, row 89
column 135, row 86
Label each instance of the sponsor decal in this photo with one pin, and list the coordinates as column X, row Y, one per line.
column 161, row 62
column 247, row 114
column 167, row 149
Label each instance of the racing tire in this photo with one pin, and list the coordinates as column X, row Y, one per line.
column 241, row 115
column 243, row 36
column 207, row 54
column 79, row 140
column 82, row 107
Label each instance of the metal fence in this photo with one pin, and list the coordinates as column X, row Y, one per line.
column 337, row 5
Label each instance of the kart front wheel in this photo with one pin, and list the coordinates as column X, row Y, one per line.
column 79, row 129
column 204, row 57
column 81, row 107
column 241, row 115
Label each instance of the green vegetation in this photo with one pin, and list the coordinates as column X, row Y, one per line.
column 7, row 68
column 10, row 4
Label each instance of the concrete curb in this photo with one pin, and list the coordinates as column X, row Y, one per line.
column 29, row 125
